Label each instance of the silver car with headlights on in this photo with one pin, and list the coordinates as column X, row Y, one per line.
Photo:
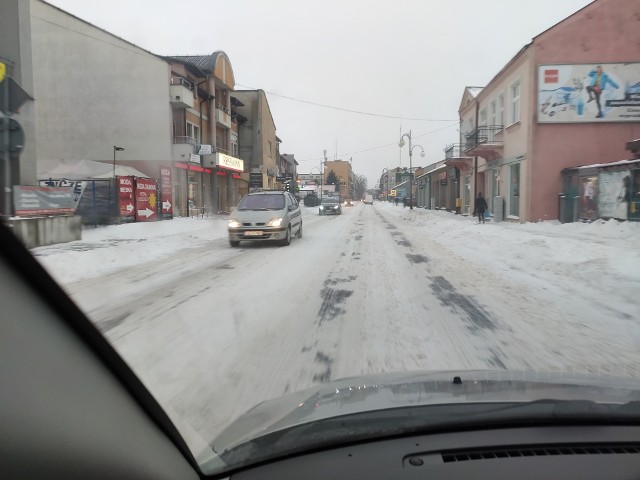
column 272, row 215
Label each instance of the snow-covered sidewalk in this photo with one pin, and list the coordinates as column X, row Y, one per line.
column 598, row 261
column 110, row 248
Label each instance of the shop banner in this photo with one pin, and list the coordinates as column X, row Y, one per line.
column 146, row 200
column 614, row 194
column 607, row 92
column 126, row 200
column 167, row 197
column 43, row 200
column 588, row 199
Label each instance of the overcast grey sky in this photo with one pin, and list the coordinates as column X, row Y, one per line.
column 402, row 58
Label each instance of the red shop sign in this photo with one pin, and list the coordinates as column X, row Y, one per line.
column 146, row 200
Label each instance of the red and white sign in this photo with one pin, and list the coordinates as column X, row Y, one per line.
column 167, row 198
column 551, row 75
column 146, row 200
column 126, row 197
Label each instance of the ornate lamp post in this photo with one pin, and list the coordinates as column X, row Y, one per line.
column 411, row 147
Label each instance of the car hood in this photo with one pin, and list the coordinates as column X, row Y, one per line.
column 389, row 391
column 255, row 216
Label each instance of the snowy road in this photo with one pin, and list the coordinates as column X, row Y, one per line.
column 214, row 330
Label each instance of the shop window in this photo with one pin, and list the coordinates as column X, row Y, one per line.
column 514, row 194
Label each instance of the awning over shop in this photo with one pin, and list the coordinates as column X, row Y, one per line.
column 82, row 170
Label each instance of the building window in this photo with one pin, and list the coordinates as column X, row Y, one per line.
column 483, row 117
column 494, row 113
column 270, row 149
column 514, row 193
column 189, row 130
column 514, row 115
column 196, row 134
column 501, row 109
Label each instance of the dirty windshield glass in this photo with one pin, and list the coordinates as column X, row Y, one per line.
column 491, row 150
column 262, row 202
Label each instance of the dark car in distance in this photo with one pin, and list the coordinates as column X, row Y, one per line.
column 330, row 206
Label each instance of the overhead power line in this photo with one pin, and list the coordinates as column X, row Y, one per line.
column 341, row 109
column 381, row 146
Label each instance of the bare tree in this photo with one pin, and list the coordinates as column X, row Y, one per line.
column 360, row 186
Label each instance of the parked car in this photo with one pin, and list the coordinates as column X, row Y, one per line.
column 271, row 215
column 330, row 206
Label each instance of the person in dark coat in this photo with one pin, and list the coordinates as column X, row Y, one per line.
column 481, row 206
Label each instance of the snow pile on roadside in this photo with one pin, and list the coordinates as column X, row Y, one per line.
column 109, row 248
column 590, row 260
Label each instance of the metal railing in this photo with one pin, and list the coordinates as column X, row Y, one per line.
column 482, row 134
column 185, row 140
column 455, row 150
column 181, row 81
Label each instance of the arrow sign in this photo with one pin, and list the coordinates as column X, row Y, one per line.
column 145, row 213
column 166, row 205
column 129, row 208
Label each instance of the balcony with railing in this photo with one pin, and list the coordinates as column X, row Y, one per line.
column 223, row 116
column 455, row 156
column 485, row 141
column 181, row 92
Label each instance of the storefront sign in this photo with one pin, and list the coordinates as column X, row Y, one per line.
column 227, row 161
column 146, row 200
column 255, row 180
column 166, row 195
column 204, row 150
column 126, row 198
column 43, row 200
column 607, row 92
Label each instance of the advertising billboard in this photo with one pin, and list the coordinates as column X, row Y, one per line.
column 167, row 197
column 126, row 201
column 146, row 199
column 606, row 92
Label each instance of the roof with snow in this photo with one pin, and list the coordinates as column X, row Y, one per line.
column 83, row 170
column 610, row 164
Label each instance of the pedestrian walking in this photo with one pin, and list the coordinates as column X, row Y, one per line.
column 404, row 202
column 480, row 207
column 396, row 201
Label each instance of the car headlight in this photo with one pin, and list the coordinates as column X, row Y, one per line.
column 321, row 207
column 275, row 222
column 336, row 207
column 233, row 223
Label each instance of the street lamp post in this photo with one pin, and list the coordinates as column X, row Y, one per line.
column 401, row 144
column 116, row 149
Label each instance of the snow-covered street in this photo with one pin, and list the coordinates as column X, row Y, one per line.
column 214, row 330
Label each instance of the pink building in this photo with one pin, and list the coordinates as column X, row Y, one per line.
column 570, row 97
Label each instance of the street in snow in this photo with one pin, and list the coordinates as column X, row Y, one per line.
column 379, row 288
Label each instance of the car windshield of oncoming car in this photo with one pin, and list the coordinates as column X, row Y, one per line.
column 262, row 202
column 331, row 200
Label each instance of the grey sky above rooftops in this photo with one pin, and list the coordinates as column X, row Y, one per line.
column 400, row 58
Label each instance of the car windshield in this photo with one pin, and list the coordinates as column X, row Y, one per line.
column 262, row 202
column 490, row 152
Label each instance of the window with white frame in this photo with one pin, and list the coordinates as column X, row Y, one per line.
column 483, row 118
column 196, row 134
column 501, row 109
column 493, row 113
column 514, row 113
